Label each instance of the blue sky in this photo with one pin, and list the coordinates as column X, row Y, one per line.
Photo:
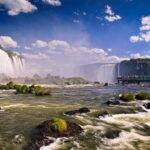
column 103, row 28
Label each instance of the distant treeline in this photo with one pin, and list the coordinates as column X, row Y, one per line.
column 49, row 79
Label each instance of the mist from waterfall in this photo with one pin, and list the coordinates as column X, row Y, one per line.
column 11, row 64
column 104, row 73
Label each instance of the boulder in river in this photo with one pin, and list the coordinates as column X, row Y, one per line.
column 113, row 102
column 46, row 132
column 147, row 105
column 103, row 114
column 78, row 111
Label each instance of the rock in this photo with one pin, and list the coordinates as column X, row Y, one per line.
column 147, row 105
column 45, row 133
column 111, row 102
column 106, row 84
column 78, row 111
column 103, row 114
column 18, row 139
column 111, row 134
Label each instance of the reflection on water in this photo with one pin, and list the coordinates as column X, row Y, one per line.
column 125, row 127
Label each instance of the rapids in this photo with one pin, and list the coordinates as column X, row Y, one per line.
column 126, row 128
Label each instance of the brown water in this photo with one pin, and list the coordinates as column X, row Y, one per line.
column 123, row 130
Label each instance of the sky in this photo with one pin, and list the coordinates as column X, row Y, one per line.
column 56, row 35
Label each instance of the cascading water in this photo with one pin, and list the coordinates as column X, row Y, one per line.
column 11, row 63
column 106, row 72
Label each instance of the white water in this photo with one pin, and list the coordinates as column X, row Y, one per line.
column 11, row 66
column 104, row 73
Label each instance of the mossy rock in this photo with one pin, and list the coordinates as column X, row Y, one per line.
column 127, row 97
column 59, row 125
column 142, row 96
column 56, row 128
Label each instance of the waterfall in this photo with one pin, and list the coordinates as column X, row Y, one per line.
column 11, row 63
column 105, row 72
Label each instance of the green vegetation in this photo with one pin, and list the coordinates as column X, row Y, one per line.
column 142, row 96
column 127, row 97
column 24, row 89
column 58, row 125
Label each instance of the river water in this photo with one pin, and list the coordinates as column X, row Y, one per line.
column 126, row 128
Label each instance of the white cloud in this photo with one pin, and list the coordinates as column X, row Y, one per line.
column 73, row 53
column 138, row 55
column 38, row 56
column 27, row 47
column 110, row 15
column 109, row 49
column 40, row 44
column 76, row 21
column 17, row 6
column 54, row 44
column 84, row 13
column 8, row 42
column 144, row 34
column 135, row 39
column 53, row 2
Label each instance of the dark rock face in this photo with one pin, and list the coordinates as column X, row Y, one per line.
column 43, row 131
column 111, row 102
column 111, row 134
column 78, row 111
column 103, row 114
column 147, row 105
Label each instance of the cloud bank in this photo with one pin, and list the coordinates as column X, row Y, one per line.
column 8, row 42
column 144, row 34
column 18, row 6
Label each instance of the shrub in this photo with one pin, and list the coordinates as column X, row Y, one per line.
column 24, row 89
column 18, row 88
column 10, row 85
column 31, row 89
column 127, row 97
column 4, row 87
column 38, row 91
column 142, row 96
column 41, row 91
column 58, row 125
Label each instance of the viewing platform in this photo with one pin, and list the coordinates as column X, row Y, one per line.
column 133, row 79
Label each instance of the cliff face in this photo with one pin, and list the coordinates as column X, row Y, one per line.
column 135, row 67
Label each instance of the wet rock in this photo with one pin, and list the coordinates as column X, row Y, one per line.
column 113, row 102
column 147, row 105
column 46, row 133
column 78, row 111
column 18, row 139
column 103, row 114
column 111, row 134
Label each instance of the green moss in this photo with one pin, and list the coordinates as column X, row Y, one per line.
column 142, row 96
column 58, row 125
column 127, row 97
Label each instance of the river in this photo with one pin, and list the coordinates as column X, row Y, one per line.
column 126, row 128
